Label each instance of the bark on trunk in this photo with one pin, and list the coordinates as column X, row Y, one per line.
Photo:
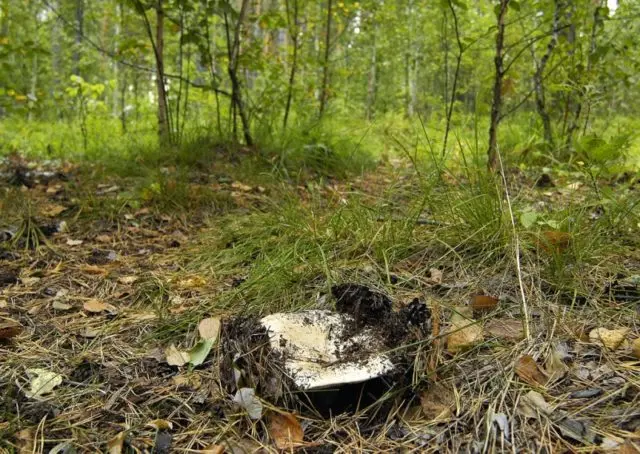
column 324, row 90
column 79, row 35
column 538, row 79
column 163, row 117
column 373, row 82
column 492, row 152
column 293, row 32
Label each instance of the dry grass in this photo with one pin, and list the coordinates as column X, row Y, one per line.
column 116, row 380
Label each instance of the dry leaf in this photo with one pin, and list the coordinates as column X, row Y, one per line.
column 241, row 186
column 483, row 303
column 554, row 241
column 435, row 276
column 26, row 441
column 610, row 338
column 209, row 328
column 629, row 448
column 175, row 357
column 51, row 210
column 247, row 399
column 127, row 280
column 103, row 239
column 464, row 332
column 89, row 333
column 555, row 366
column 192, row 282
column 60, row 306
column 534, row 403
column 285, row 430
column 529, row 371
column 160, row 424
column 42, row 382
column 96, row 306
column 9, row 329
column 115, row 445
column 213, row 449
column 93, row 269
column 437, row 402
column 71, row 242
column 29, row 281
column 504, row 328
column 635, row 348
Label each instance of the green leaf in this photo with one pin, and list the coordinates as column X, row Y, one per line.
column 200, row 351
column 528, row 219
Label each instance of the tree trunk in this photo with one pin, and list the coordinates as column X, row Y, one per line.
column 163, row 115
column 233, row 49
column 293, row 32
column 79, row 36
column 324, row 89
column 492, row 152
column 372, row 85
column 538, row 78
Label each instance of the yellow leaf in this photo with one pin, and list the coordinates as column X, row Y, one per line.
column 51, row 210
column 127, row 280
column 175, row 357
column 213, row 449
column 464, row 332
column 96, row 306
column 114, row 446
column 610, row 338
column 160, row 424
column 635, row 348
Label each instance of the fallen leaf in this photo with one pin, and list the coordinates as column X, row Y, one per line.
column 241, row 186
column 504, row 328
column 464, row 332
column 246, row 398
column 533, row 403
column 26, row 441
column 285, row 430
column 209, row 328
column 483, row 303
column 160, row 424
column 213, row 449
column 93, row 269
column 42, row 382
column 629, row 447
column 555, row 366
column 501, row 420
column 437, row 402
column 66, row 447
column 193, row 381
column 10, row 329
column 175, row 357
column 51, row 210
column 127, row 280
column 115, row 445
column 198, row 354
column 435, row 276
column 192, row 282
column 104, row 239
column 96, row 306
column 89, row 333
column 29, row 281
column 60, row 306
column 610, row 338
column 529, row 371
column 554, row 241
column 71, row 242
column 635, row 348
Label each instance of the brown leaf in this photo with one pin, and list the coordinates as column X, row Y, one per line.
column 610, row 338
column 505, row 328
column 96, row 306
column 629, row 447
column 209, row 328
column 51, row 210
column 464, row 332
column 285, row 430
column 554, row 241
column 534, row 403
column 529, row 371
column 26, row 440
column 9, row 329
column 555, row 367
column 115, row 445
column 635, row 348
column 437, row 402
column 483, row 303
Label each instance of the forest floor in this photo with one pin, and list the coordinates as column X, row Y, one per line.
column 101, row 274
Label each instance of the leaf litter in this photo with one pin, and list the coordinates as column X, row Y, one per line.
column 597, row 381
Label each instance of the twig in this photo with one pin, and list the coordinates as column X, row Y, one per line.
column 524, row 306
